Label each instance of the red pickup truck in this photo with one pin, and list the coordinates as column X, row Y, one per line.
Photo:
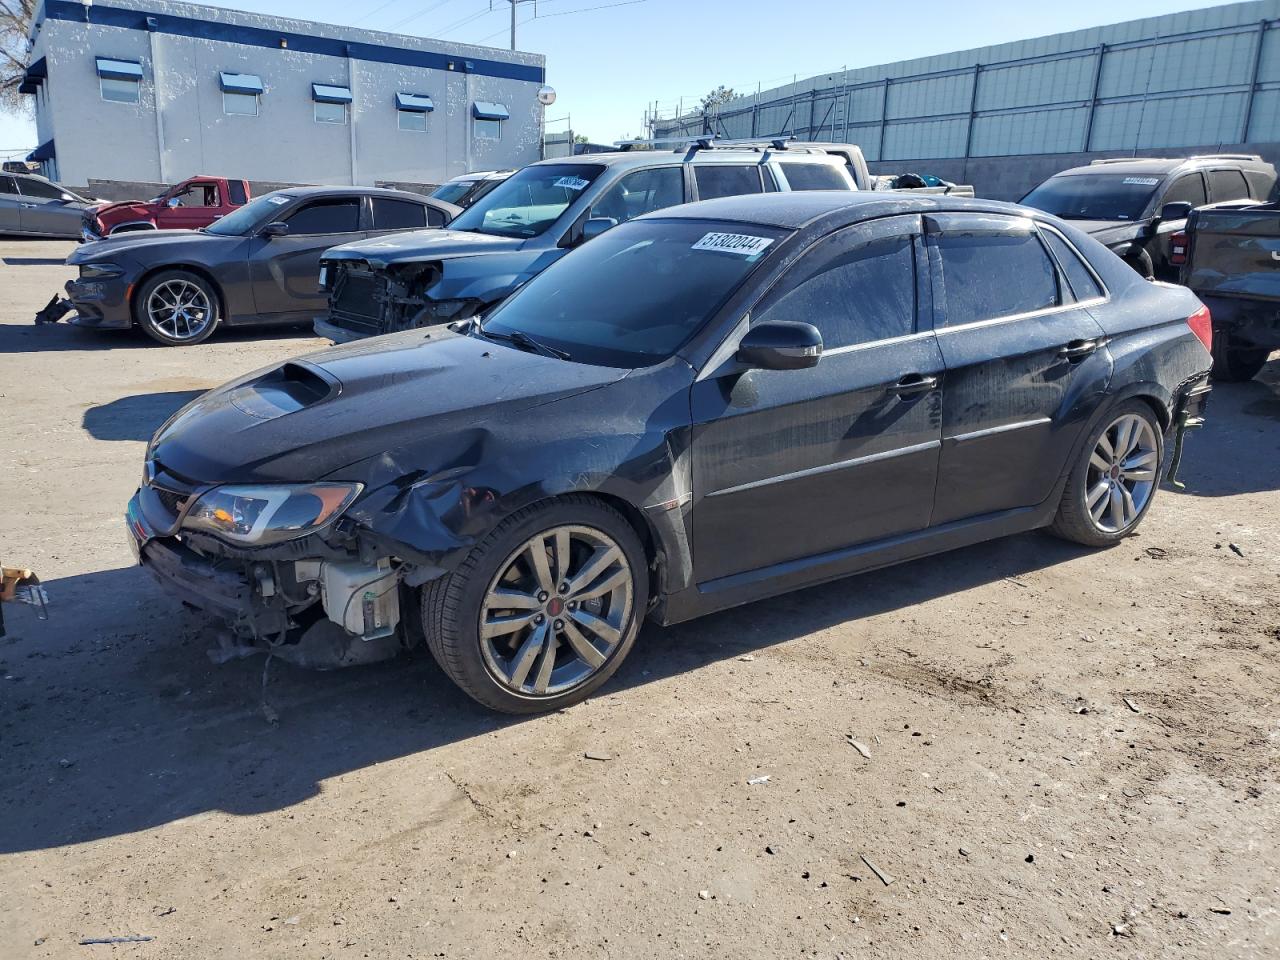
column 195, row 202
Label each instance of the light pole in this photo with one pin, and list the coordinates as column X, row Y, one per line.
column 514, row 3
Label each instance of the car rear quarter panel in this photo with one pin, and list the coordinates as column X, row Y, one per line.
column 1152, row 347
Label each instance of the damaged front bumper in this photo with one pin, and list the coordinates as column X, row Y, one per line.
column 101, row 304
column 307, row 601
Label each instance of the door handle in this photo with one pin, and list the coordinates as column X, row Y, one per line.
column 1079, row 349
column 31, row 206
column 912, row 384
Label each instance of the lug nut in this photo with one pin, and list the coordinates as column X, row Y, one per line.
column 573, row 604
column 539, row 619
column 559, row 624
column 542, row 596
column 564, row 588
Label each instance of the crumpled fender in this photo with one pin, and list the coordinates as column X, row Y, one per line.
column 430, row 503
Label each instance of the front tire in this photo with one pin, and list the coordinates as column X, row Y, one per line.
column 1236, row 360
column 1111, row 487
column 543, row 610
column 177, row 308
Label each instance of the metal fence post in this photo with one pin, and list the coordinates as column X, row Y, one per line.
column 973, row 110
column 1253, row 81
column 884, row 118
column 1093, row 97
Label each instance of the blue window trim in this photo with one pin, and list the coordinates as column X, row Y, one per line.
column 241, row 83
column 482, row 110
column 414, row 103
column 77, row 12
column 119, row 69
column 330, row 93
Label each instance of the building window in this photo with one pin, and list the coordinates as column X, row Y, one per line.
column 240, row 104
column 331, row 102
column 240, row 94
column 486, row 123
column 120, row 80
column 412, row 110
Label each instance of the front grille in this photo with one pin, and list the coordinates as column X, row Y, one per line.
column 166, row 498
column 356, row 302
column 175, row 503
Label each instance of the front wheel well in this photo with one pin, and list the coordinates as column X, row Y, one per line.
column 200, row 272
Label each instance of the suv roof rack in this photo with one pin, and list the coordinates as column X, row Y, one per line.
column 709, row 141
column 1226, row 156
column 1106, row 160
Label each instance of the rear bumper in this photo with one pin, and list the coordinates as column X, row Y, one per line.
column 1192, row 399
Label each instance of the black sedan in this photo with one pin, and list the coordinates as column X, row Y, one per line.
column 703, row 407
column 258, row 265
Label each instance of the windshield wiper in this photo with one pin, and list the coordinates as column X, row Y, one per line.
column 524, row 342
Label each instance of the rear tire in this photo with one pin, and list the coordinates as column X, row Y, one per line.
column 177, row 308
column 1115, row 479
column 1236, row 360
column 578, row 607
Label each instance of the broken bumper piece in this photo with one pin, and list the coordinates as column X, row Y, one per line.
column 22, row 586
column 318, row 612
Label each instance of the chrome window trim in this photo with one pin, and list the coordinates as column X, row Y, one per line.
column 1106, row 292
column 1047, row 311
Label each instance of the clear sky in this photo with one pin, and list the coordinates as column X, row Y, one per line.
column 615, row 56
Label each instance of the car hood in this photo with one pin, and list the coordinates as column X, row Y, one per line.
column 121, row 205
column 421, row 245
column 308, row 418
column 129, row 243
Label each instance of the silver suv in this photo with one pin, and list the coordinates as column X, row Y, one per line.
column 533, row 218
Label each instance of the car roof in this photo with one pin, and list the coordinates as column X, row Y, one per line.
column 794, row 210
column 308, row 192
column 1164, row 165
column 653, row 158
column 481, row 175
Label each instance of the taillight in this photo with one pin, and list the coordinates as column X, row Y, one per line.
column 1178, row 244
column 1201, row 324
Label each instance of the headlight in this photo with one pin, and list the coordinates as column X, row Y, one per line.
column 270, row 514
column 100, row 271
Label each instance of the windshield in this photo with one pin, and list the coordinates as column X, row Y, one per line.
column 453, row 192
column 259, row 210
column 634, row 295
column 1095, row 196
column 529, row 202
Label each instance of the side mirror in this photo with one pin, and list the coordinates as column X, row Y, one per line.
column 1178, row 210
column 67, row 198
column 781, row 345
column 277, row 229
column 596, row 226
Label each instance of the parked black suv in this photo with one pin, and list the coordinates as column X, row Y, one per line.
column 535, row 217
column 1133, row 205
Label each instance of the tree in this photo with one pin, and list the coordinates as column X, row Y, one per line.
column 582, row 138
column 717, row 97
column 15, row 25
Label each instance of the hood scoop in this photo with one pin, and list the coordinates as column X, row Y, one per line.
column 287, row 389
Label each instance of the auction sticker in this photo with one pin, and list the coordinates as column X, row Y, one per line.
column 278, row 201
column 742, row 244
column 573, row 183
column 1143, row 181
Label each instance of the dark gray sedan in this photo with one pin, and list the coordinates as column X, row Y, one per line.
column 32, row 206
column 259, row 265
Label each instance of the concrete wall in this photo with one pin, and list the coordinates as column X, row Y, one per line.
column 1010, row 178
column 179, row 127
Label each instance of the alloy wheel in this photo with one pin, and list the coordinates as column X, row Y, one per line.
column 556, row 610
column 179, row 309
column 1122, row 473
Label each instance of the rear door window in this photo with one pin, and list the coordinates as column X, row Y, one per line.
column 641, row 192
column 1227, row 185
column 726, row 180
column 237, row 191
column 1083, row 283
column 8, row 185
column 1188, row 189
column 326, row 216
column 391, row 214
column 988, row 273
column 814, row 176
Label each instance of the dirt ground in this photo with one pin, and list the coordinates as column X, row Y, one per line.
column 1071, row 753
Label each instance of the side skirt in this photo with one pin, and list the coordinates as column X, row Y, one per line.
column 781, row 578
